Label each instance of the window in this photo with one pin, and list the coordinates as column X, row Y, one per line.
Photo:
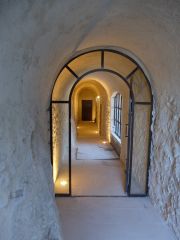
column 117, row 115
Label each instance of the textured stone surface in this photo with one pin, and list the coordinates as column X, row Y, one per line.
column 36, row 38
column 165, row 165
column 142, row 117
column 140, row 148
column 60, row 131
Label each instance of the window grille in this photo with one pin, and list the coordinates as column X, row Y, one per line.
column 117, row 114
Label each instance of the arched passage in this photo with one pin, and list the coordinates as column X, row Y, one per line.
column 93, row 90
column 138, row 131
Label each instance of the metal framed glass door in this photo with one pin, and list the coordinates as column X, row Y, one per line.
column 140, row 116
column 140, row 119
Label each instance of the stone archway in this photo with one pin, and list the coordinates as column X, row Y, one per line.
column 140, row 113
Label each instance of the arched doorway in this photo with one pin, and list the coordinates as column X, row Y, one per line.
column 138, row 131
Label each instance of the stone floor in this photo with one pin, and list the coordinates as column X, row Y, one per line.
column 106, row 218
column 97, row 170
column 118, row 218
column 97, row 178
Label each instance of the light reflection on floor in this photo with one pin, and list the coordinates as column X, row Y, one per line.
column 97, row 169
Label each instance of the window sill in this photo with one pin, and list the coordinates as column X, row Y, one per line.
column 116, row 137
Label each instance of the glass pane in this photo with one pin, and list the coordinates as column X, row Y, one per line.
column 140, row 148
column 118, row 63
column 86, row 63
column 63, row 86
column 140, row 87
column 60, row 131
column 129, row 80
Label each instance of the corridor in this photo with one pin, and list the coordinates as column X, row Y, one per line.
column 111, row 218
column 113, row 63
column 99, row 208
column 97, row 170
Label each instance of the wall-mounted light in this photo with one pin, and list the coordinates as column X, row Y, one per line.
column 63, row 183
column 97, row 98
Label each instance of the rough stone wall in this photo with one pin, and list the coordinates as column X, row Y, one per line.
column 165, row 164
column 27, row 205
column 60, row 131
column 55, row 140
column 105, row 116
column 140, row 148
column 142, row 116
